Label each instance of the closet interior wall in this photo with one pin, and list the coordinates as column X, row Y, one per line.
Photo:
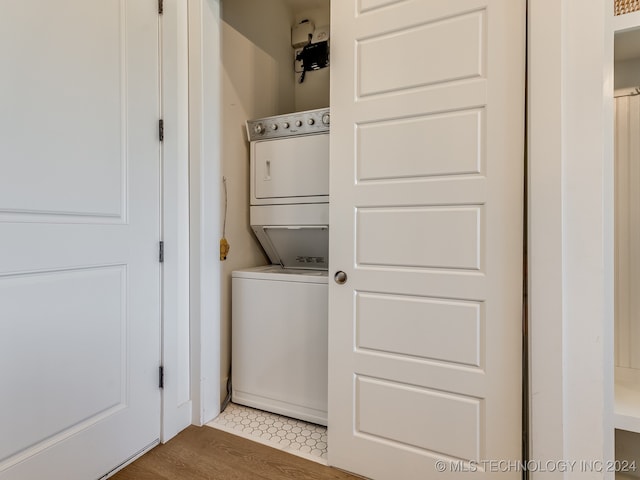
column 627, row 249
column 258, row 80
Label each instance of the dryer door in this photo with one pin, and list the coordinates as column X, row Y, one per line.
column 290, row 170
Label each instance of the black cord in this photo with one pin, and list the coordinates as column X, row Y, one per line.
column 227, row 399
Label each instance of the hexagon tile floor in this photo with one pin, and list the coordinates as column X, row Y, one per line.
column 300, row 438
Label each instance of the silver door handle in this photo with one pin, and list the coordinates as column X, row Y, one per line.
column 267, row 175
column 340, row 277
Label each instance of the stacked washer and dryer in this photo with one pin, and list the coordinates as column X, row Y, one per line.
column 279, row 311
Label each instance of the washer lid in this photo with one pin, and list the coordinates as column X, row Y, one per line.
column 276, row 272
column 294, row 246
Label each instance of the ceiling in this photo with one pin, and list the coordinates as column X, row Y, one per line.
column 299, row 5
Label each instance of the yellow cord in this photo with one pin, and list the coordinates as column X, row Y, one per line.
column 224, row 245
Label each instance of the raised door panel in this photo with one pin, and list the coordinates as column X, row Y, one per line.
column 67, row 118
column 78, row 321
column 433, row 52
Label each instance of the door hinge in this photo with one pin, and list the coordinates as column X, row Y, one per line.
column 160, row 7
column 161, row 130
column 161, row 251
column 161, row 376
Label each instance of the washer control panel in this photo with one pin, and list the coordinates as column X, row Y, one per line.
column 290, row 124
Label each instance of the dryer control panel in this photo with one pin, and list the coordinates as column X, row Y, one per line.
column 288, row 125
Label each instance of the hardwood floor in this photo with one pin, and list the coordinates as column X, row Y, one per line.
column 205, row 453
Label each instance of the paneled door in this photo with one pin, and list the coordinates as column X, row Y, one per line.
column 427, row 165
column 79, row 232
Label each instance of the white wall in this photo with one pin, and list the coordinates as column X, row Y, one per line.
column 262, row 40
column 627, row 74
column 314, row 91
column 256, row 82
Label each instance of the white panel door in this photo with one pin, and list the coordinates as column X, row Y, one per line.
column 79, row 231
column 427, row 133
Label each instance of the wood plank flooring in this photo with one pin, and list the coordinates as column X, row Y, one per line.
column 205, row 453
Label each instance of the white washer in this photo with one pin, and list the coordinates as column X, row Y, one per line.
column 279, row 341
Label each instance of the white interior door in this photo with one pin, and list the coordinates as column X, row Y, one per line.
column 79, row 231
column 427, row 130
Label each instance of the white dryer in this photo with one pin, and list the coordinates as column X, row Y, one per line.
column 279, row 312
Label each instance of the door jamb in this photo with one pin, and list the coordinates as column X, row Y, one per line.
column 176, row 399
column 205, row 213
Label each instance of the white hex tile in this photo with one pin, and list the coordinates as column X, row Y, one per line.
column 292, row 435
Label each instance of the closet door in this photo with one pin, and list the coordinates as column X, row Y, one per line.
column 425, row 315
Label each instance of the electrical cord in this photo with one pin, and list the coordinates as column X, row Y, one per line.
column 224, row 244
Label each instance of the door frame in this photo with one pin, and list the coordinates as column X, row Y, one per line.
column 205, row 211
column 570, row 224
column 191, row 216
column 176, row 395
column 570, row 205
column 190, row 291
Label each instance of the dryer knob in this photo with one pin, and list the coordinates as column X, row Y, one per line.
column 274, row 127
column 285, row 125
column 311, row 121
column 259, row 129
column 298, row 123
column 326, row 119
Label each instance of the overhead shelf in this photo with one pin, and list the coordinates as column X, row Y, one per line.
column 628, row 21
column 627, row 399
